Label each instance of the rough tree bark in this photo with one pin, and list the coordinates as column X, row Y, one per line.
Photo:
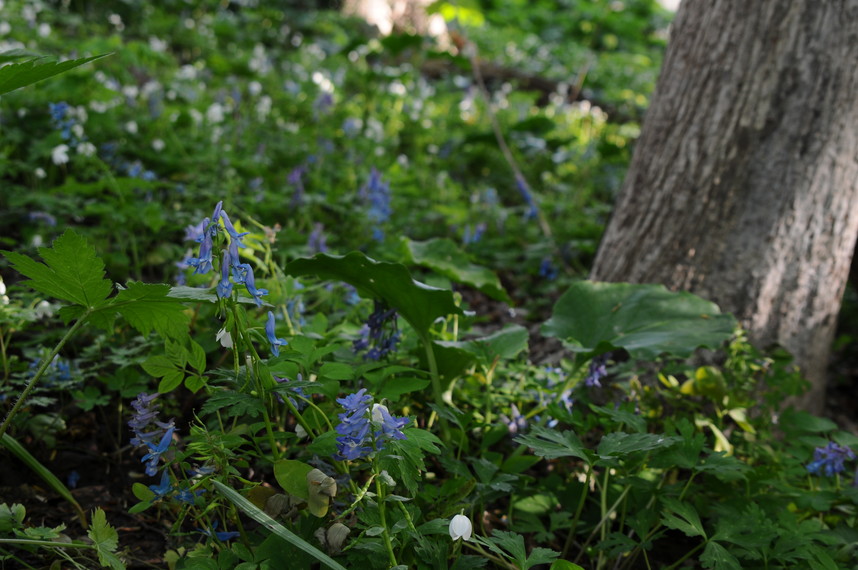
column 743, row 187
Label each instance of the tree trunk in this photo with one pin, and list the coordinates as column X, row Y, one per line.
column 744, row 183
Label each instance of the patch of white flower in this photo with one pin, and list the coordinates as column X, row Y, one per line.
column 60, row 154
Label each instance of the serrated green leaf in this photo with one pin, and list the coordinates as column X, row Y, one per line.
column 717, row 557
column 171, row 381
column 195, row 382
column 105, row 539
column 149, row 307
column 197, row 357
column 540, row 555
column 681, row 516
column 443, row 256
column 185, row 293
column 551, row 444
column 416, row 302
column 17, row 75
column 513, row 543
column 159, row 366
column 232, row 404
column 621, row 416
column 645, row 320
column 72, row 271
column 620, row 444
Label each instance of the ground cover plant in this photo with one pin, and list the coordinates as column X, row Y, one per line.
column 277, row 293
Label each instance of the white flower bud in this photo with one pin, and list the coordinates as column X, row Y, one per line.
column 461, row 527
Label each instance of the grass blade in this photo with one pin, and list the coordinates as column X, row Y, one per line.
column 262, row 518
column 21, row 453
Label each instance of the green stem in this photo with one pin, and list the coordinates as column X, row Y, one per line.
column 51, row 543
column 41, row 371
column 578, row 510
column 436, row 385
column 382, row 514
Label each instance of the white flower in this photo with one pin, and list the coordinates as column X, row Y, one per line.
column 44, row 30
column 224, row 338
column 86, row 148
column 60, row 154
column 131, row 127
column 215, row 113
column 158, row 145
column 40, row 173
column 461, row 527
column 44, row 309
column 377, row 414
column 300, row 431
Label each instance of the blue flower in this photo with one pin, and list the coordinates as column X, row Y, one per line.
column 316, row 241
column 356, row 438
column 379, row 336
column 597, row 371
column 547, row 269
column 524, row 190
column 155, row 451
column 73, row 479
column 276, row 343
column 376, row 193
column 390, row 425
column 224, row 287
column 518, row 423
column 163, row 488
column 230, row 229
column 223, row 536
column 354, row 426
column 203, row 263
column 246, row 276
column 830, row 459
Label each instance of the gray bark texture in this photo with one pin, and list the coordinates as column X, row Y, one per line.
column 743, row 187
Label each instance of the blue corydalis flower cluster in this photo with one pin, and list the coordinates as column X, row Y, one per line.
column 598, row 370
column 160, row 435
column 830, row 459
column 357, row 438
column 527, row 196
column 241, row 273
column 376, row 194
column 62, row 121
column 379, row 336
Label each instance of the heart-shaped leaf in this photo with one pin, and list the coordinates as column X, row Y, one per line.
column 416, row 302
column 646, row 320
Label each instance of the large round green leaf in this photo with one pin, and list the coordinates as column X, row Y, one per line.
column 646, row 320
column 416, row 302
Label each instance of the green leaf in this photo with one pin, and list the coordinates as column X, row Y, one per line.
column 620, row 444
column 443, row 256
column 681, row 516
column 564, row 565
column 17, row 75
column 142, row 492
column 232, row 404
column 505, row 344
column 291, row 475
column 171, row 381
column 72, row 271
column 259, row 516
column 717, row 557
column 336, row 371
column 159, row 366
column 513, row 543
column 540, row 556
column 416, row 302
column 197, row 357
column 105, row 539
column 645, row 320
column 551, row 444
column 148, row 306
